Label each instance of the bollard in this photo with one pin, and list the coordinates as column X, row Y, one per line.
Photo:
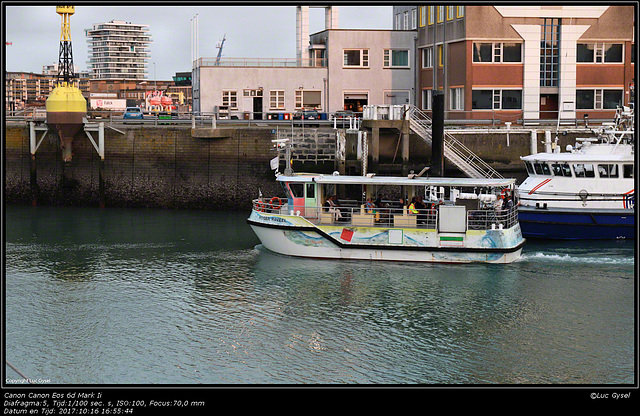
column 508, row 124
column 533, row 143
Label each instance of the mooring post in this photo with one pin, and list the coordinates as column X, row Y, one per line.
column 101, row 169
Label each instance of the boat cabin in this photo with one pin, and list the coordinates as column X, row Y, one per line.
column 444, row 204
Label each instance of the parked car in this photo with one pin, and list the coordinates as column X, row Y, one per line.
column 133, row 113
column 342, row 114
column 342, row 117
column 306, row 115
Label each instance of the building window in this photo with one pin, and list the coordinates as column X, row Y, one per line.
column 482, row 52
column 414, row 19
column 431, row 14
column 358, row 58
column 460, row 12
column 550, row 53
column 440, row 56
column 497, row 52
column 450, row 12
column 440, row 14
column 276, row 99
column 456, row 98
column 397, row 21
column 423, row 15
column 427, row 58
column 396, row 58
column 598, row 99
column 230, row 99
column 308, row 99
column 426, row 99
column 599, row 52
column 496, row 99
column 406, row 21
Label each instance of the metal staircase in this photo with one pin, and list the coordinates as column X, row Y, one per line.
column 456, row 152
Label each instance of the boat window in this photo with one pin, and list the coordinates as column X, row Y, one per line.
column 542, row 168
column 627, row 171
column 583, row 170
column 561, row 169
column 557, row 169
column 529, row 167
column 296, row 189
column 608, row 171
column 311, row 190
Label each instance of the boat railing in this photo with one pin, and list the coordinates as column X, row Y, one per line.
column 484, row 219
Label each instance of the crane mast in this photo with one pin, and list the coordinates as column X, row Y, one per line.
column 220, row 49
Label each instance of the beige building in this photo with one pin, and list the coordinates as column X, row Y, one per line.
column 336, row 69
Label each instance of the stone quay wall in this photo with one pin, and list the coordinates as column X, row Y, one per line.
column 222, row 168
column 145, row 167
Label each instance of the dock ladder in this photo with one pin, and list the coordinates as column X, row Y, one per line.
column 456, row 152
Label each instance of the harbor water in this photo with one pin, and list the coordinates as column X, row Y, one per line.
column 141, row 296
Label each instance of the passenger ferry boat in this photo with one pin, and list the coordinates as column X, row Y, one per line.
column 586, row 192
column 458, row 225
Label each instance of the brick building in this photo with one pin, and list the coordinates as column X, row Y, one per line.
column 531, row 62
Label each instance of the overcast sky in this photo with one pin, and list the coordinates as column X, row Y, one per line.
column 251, row 31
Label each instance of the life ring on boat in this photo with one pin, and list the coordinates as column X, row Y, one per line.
column 275, row 203
column 259, row 206
column 504, row 192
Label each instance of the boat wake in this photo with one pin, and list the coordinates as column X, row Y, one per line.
column 569, row 258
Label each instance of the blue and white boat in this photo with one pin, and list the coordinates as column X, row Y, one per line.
column 585, row 193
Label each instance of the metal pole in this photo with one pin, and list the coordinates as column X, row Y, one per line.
column 101, row 186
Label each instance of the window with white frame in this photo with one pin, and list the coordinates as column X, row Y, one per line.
column 599, row 52
column 495, row 52
column 356, row 58
column 498, row 99
column 406, row 20
column 230, row 99
column 397, row 21
column 276, row 99
column 308, row 99
column 427, row 57
column 414, row 19
column 456, row 98
column 426, row 99
column 598, row 99
column 396, row 58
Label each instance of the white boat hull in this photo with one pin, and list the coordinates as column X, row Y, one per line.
column 328, row 242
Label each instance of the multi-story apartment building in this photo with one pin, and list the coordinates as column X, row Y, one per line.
column 28, row 89
column 530, row 62
column 335, row 69
column 118, row 50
